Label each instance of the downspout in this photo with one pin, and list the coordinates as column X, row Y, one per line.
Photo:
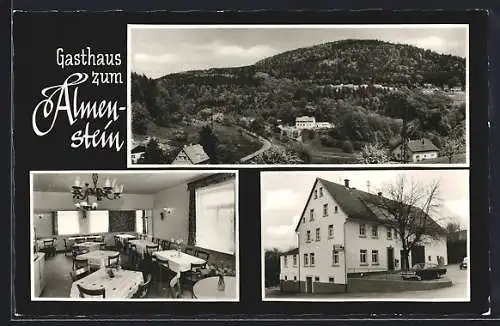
column 345, row 261
column 298, row 260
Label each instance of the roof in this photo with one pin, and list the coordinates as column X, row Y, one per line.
column 195, row 153
column 294, row 251
column 360, row 205
column 139, row 149
column 421, row 145
column 305, row 119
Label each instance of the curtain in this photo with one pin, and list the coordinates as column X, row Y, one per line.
column 192, row 186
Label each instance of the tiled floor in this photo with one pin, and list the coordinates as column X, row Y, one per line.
column 58, row 280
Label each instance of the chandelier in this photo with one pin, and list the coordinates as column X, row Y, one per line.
column 83, row 195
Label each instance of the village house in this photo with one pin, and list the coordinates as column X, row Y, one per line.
column 137, row 152
column 341, row 233
column 191, row 154
column 417, row 150
column 306, row 122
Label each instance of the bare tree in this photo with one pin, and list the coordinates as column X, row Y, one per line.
column 372, row 154
column 452, row 147
column 407, row 205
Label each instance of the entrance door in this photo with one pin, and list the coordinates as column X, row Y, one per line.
column 390, row 259
column 309, row 284
column 417, row 255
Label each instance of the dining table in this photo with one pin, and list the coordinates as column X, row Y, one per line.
column 98, row 258
column 141, row 244
column 178, row 261
column 124, row 284
column 123, row 237
column 208, row 288
column 90, row 246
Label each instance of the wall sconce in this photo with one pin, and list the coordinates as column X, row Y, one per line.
column 166, row 211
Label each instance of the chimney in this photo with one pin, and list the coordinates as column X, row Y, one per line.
column 346, row 183
column 379, row 194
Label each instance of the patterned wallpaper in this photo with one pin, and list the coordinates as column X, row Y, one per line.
column 121, row 221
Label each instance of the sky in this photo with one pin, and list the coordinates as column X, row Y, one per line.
column 158, row 51
column 284, row 195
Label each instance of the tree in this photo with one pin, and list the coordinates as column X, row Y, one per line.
column 451, row 147
column 140, row 118
column 272, row 267
column 407, row 205
column 347, row 146
column 277, row 155
column 209, row 141
column 372, row 154
column 154, row 154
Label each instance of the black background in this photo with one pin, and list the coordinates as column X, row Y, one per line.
column 36, row 37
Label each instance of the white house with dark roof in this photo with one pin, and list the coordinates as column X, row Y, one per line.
column 341, row 233
column 305, row 122
column 191, row 154
column 418, row 150
column 289, row 265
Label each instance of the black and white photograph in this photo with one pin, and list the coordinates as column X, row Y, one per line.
column 130, row 235
column 297, row 94
column 365, row 235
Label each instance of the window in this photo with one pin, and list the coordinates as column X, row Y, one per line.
column 306, row 258
column 303, row 219
column 215, row 214
column 389, row 234
column 98, row 221
column 285, row 278
column 308, row 236
column 295, row 278
column 362, row 256
column 335, row 257
column 321, row 191
column 430, row 258
column 294, row 260
column 141, row 222
column 336, row 209
column 318, row 234
column 68, row 222
column 311, row 256
column 331, row 280
column 330, row 231
column 311, row 215
column 285, row 258
column 362, row 230
column 325, row 210
column 374, row 231
column 315, row 194
column 316, row 279
column 375, row 257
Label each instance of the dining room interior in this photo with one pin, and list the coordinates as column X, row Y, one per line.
column 134, row 235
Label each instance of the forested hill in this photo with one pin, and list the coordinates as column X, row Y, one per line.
column 305, row 82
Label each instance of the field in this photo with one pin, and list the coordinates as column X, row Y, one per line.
column 327, row 155
column 228, row 135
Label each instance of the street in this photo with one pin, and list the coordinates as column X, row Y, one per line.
column 457, row 292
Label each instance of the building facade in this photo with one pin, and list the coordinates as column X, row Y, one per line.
column 340, row 234
column 417, row 150
column 305, row 122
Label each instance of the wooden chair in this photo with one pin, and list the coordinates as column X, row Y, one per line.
column 192, row 276
column 157, row 241
column 49, row 247
column 150, row 249
column 175, row 288
column 189, row 251
column 162, row 268
column 91, row 292
column 80, row 263
column 98, row 239
column 79, row 240
column 143, row 289
column 203, row 255
column 165, row 245
column 118, row 243
column 134, row 255
column 102, row 245
column 79, row 273
column 114, row 261
column 67, row 247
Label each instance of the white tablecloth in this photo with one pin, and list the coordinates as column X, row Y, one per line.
column 123, row 285
column 178, row 263
column 207, row 288
column 122, row 237
column 76, row 238
column 98, row 257
column 141, row 245
column 91, row 246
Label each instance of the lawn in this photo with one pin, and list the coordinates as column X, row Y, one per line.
column 327, row 155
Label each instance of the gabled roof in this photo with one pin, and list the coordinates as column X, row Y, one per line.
column 195, row 153
column 305, row 119
column 294, row 251
column 358, row 204
column 139, row 149
column 422, row 145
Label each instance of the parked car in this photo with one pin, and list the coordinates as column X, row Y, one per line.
column 423, row 271
column 464, row 264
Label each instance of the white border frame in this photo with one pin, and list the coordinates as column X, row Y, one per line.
column 237, row 236
column 360, row 299
column 130, row 27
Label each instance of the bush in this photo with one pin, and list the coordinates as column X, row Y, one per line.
column 347, row 146
column 357, row 145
